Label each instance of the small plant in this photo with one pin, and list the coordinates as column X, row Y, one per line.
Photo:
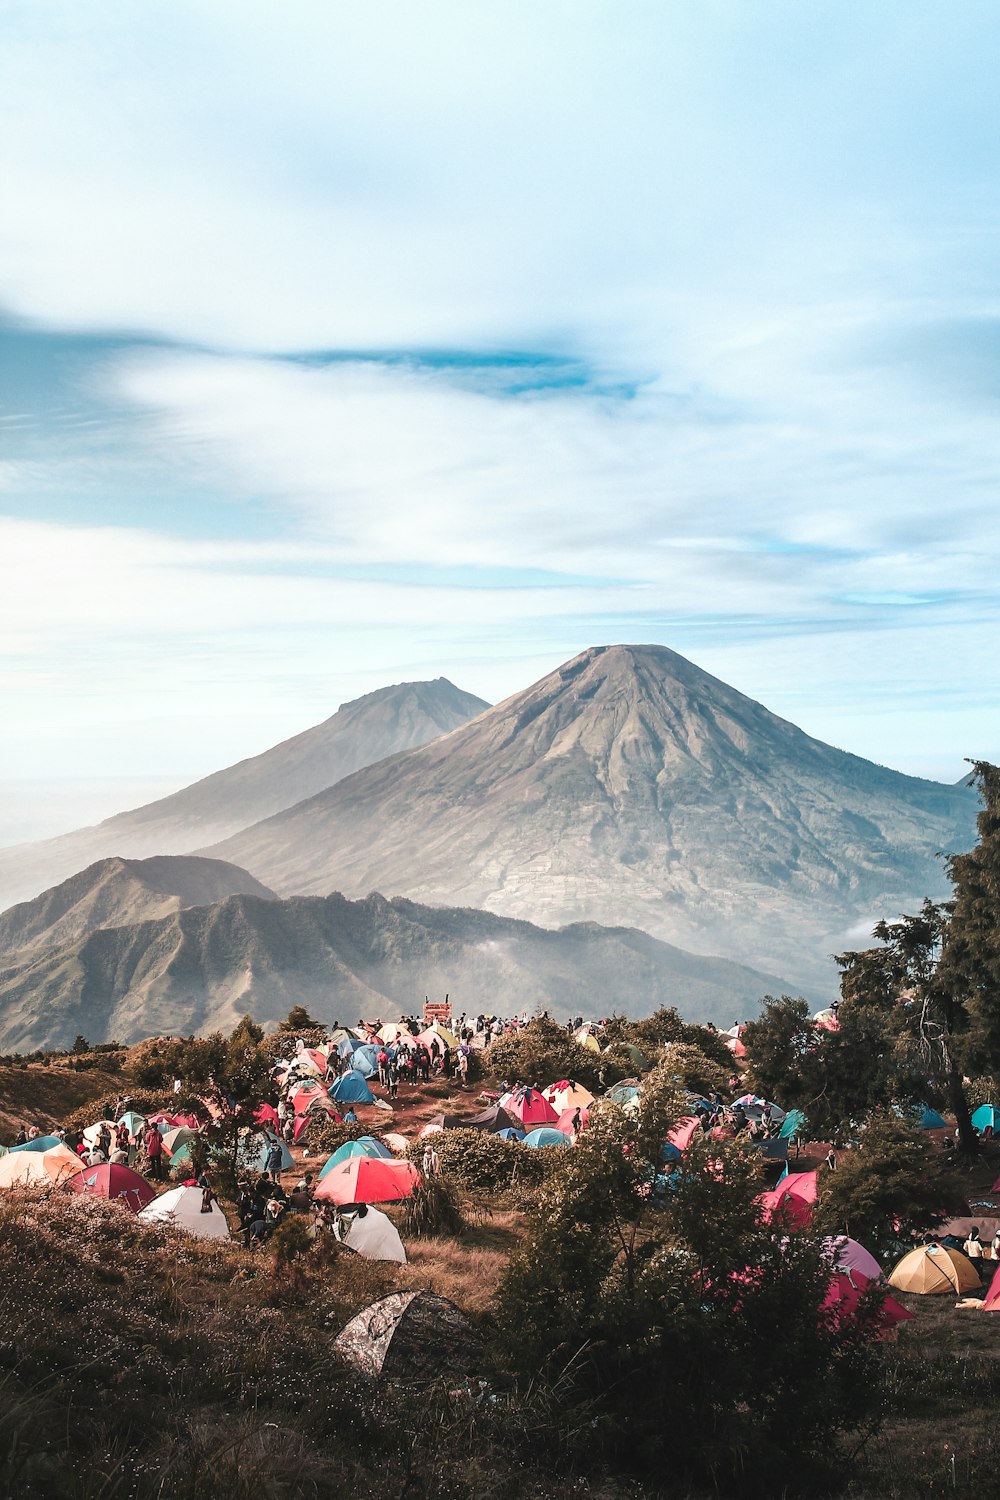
column 434, row 1209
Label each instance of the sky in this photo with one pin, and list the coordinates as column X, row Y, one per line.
column 353, row 343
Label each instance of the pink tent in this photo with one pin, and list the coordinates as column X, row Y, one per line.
column 844, row 1294
column 848, row 1255
column 684, row 1132
column 565, row 1120
column 266, row 1114
column 991, row 1302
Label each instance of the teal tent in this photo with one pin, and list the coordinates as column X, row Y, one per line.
column 546, row 1136
column 40, row 1143
column 351, row 1088
column 794, row 1124
column 986, row 1117
column 364, row 1146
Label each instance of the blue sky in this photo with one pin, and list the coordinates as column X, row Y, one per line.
column 343, row 344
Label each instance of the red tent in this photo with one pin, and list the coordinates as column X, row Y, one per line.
column 791, row 1201
column 113, row 1181
column 845, row 1292
column 684, row 1132
column 991, row 1302
column 565, row 1120
column 266, row 1114
column 368, row 1179
column 529, row 1107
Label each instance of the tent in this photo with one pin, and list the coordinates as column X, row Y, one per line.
column 254, row 1151
column 992, row 1299
column 38, row 1168
column 180, row 1207
column 133, row 1121
column 929, row 1119
column 395, row 1142
column 572, row 1120
column 545, row 1135
column 438, row 1036
column 40, row 1143
column 266, row 1114
column 935, row 1268
column 394, row 1031
column 412, row 1336
column 112, row 1181
column 370, row 1233
column 491, row 1120
column 177, row 1137
column 510, row 1133
column 365, row 1060
column 567, row 1095
column 351, row 1088
column 366, row 1146
column 826, row 1020
column 794, row 1124
column 986, row 1117
column 791, row 1200
column 844, row 1295
column 366, row 1179
column 528, row 1108
column 624, row 1093
column 684, row 1133
column 847, row 1255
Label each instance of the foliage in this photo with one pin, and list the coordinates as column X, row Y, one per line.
column 969, row 967
column 890, row 1189
column 688, row 1067
column 434, row 1208
column 231, row 1074
column 484, row 1164
column 298, row 1020
column 653, row 1313
column 541, row 1053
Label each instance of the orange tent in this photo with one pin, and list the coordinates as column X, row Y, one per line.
column 38, row 1168
column 935, row 1268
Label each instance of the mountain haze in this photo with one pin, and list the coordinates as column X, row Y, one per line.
column 631, row 788
column 116, row 892
column 358, row 734
column 204, row 967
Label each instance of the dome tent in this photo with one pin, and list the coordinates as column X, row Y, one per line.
column 114, row 1182
column 181, row 1209
column 933, row 1269
column 411, row 1336
column 370, row 1233
column 351, row 1088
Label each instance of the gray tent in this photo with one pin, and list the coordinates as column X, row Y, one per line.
column 412, row 1336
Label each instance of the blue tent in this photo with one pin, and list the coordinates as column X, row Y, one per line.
column 794, row 1124
column 986, row 1117
column 366, row 1146
column 351, row 1088
column 623, row 1093
column 349, row 1045
column 40, row 1143
column 929, row 1119
column 510, row 1134
column 254, row 1152
column 546, row 1136
column 365, row 1060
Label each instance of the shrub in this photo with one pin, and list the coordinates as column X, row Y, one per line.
column 434, row 1209
column 541, row 1052
column 483, row 1163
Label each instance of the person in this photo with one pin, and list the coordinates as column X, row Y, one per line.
column 462, row 1064
column 383, row 1067
column 973, row 1245
column 104, row 1139
column 431, row 1161
column 831, row 1159
column 393, row 1079
column 153, row 1145
column 177, row 1086
column 350, row 1118
column 300, row 1198
column 576, row 1121
column 995, row 1244
column 22, row 1136
column 207, row 1195
column 272, row 1163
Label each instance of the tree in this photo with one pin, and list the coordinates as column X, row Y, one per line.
column 230, row 1075
column 541, row 1052
column 969, row 966
column 299, row 1019
column 891, row 1188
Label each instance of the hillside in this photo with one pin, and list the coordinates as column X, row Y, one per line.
column 631, row 788
column 202, row 968
column 115, row 892
column 380, row 724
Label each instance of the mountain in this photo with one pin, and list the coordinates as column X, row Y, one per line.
column 631, row 788
column 115, row 892
column 204, row 967
column 358, row 734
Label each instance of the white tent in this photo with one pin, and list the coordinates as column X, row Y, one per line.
column 372, row 1235
column 181, row 1207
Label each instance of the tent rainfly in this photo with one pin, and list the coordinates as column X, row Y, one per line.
column 181, row 1209
column 934, row 1269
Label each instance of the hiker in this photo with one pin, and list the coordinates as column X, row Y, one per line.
column 393, row 1079
column 383, row 1067
column 272, row 1163
column 300, row 1198
column 207, row 1196
column 431, row 1161
column 22, row 1136
column 350, row 1118
column 462, row 1066
column 153, row 1145
column 831, row 1159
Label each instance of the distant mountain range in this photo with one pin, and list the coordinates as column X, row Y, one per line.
column 202, row 967
column 358, row 734
column 629, row 787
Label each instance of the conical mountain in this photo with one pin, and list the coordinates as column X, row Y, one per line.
column 358, row 734
column 629, row 787
column 116, row 892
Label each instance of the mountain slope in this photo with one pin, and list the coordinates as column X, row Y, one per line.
column 204, row 967
column 382, row 723
column 630, row 787
column 115, row 892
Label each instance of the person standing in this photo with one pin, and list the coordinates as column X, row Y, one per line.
column 272, row 1163
column 152, row 1143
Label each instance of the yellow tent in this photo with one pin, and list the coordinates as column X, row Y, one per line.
column 935, row 1268
column 38, row 1168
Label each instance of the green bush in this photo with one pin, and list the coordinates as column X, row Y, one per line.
column 483, row 1163
column 434, row 1209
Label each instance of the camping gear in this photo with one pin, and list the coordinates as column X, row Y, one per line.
column 991, row 1302
column 411, row 1336
column 572, row 1120
column 38, row 1168
column 933, row 1269
column 794, row 1123
column 826, row 1020
column 370, row 1233
column 351, row 1088
column 544, row 1136
column 791, row 1200
column 255, row 1149
column 181, row 1209
column 844, row 1294
column 113, row 1182
column 133, row 1121
column 847, row 1255
column 566, row 1095
column 365, row 1179
column 986, row 1117
column 929, row 1119
column 528, row 1108
column 509, row 1134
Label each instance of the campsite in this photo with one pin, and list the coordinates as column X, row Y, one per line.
column 326, row 1258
